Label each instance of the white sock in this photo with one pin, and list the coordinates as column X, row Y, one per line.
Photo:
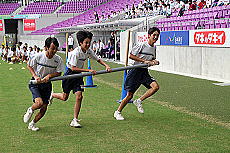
column 32, row 122
column 139, row 100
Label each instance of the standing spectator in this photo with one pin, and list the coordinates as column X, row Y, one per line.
column 70, row 42
column 96, row 16
column 100, row 48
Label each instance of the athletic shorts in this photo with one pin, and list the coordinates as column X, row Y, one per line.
column 42, row 90
column 136, row 77
column 72, row 84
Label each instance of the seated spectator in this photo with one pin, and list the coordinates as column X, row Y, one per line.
column 102, row 18
column 181, row 12
column 202, row 4
column 193, row 5
column 215, row 3
column 220, row 3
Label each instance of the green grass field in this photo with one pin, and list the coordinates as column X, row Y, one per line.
column 186, row 115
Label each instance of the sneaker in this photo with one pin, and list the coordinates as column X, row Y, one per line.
column 118, row 115
column 139, row 106
column 32, row 127
column 28, row 115
column 75, row 123
column 51, row 99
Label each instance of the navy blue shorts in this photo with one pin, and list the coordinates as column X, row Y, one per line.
column 137, row 77
column 72, row 84
column 42, row 90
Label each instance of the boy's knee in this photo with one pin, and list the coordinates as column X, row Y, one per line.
column 155, row 86
column 39, row 102
column 79, row 97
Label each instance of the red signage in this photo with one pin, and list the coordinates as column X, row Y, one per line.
column 210, row 37
column 29, row 25
column 1, row 25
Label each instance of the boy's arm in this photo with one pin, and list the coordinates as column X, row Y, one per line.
column 74, row 68
column 38, row 79
column 107, row 67
column 138, row 59
column 49, row 76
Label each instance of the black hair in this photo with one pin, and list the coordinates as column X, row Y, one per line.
column 82, row 35
column 51, row 40
column 152, row 30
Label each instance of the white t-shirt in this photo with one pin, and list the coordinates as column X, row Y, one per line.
column 44, row 66
column 32, row 54
column 10, row 54
column 77, row 57
column 144, row 51
column 70, row 41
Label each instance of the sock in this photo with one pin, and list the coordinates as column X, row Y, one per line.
column 32, row 122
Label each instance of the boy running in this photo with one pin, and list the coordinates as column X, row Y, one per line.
column 75, row 65
column 43, row 66
column 142, row 53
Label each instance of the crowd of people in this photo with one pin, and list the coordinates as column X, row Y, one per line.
column 106, row 50
column 18, row 53
column 160, row 7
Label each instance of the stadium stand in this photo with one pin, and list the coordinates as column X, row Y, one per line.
column 88, row 16
column 8, row 8
column 79, row 6
column 41, row 8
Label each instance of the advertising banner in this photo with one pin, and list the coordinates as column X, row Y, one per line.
column 175, row 38
column 1, row 25
column 143, row 37
column 210, row 37
column 29, row 25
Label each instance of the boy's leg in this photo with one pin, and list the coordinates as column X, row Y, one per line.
column 117, row 113
column 38, row 104
column 125, row 101
column 39, row 115
column 62, row 96
column 154, row 88
column 77, row 107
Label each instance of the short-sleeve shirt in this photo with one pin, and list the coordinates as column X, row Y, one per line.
column 77, row 57
column 144, row 51
column 43, row 66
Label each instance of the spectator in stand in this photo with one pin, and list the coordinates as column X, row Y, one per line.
column 202, row 4
column 168, row 11
column 215, row 3
column 96, row 16
column 220, row 3
column 181, row 12
column 102, row 18
column 193, row 6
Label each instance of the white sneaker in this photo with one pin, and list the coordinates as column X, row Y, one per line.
column 118, row 115
column 28, row 115
column 51, row 99
column 139, row 106
column 32, row 127
column 75, row 123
